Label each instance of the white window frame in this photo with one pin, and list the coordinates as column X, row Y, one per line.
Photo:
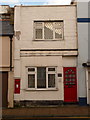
column 47, row 72
column 51, row 72
column 53, row 30
column 33, row 72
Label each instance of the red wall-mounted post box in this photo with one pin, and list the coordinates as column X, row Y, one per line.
column 17, row 86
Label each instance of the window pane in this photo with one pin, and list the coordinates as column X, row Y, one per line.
column 51, row 80
column 51, row 69
column 38, row 25
column 41, row 77
column 58, row 29
column 58, row 33
column 58, row 24
column 48, row 30
column 31, row 81
column 31, row 69
column 38, row 33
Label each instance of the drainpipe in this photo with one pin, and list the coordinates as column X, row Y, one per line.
column 11, row 53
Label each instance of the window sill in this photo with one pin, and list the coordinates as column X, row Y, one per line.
column 48, row 40
column 33, row 89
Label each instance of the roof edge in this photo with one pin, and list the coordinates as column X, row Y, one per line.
column 45, row 5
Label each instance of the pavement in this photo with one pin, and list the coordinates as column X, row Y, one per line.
column 44, row 112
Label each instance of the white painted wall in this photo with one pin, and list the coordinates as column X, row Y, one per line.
column 55, row 61
column 24, row 18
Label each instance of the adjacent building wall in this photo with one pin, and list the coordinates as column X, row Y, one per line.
column 6, row 56
column 82, row 14
column 5, row 53
column 4, row 8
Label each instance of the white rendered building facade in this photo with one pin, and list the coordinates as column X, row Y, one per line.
column 45, row 58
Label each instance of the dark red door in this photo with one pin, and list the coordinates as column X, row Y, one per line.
column 70, row 84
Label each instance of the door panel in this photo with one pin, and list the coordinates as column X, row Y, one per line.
column 70, row 84
column 4, row 81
